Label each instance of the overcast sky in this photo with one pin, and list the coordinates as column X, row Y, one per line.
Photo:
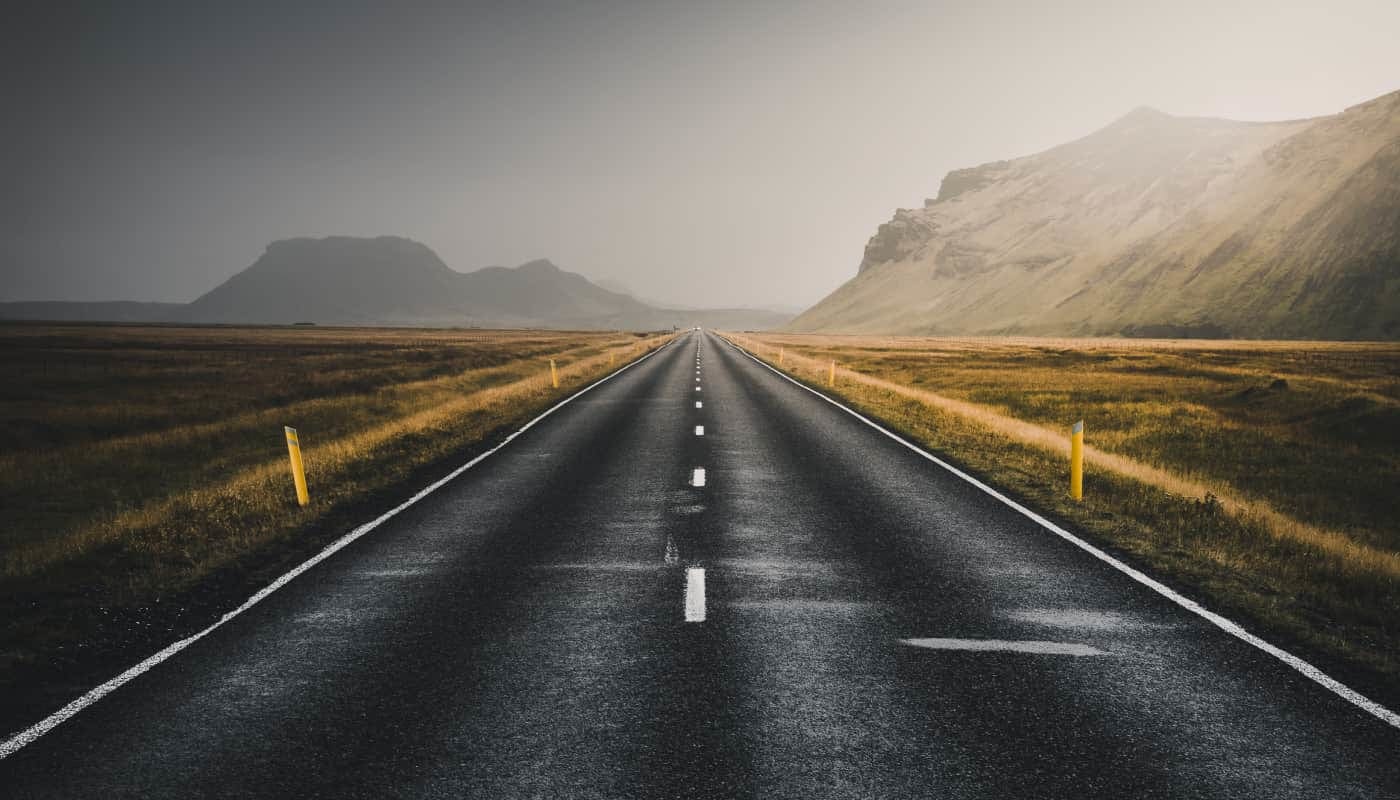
column 700, row 153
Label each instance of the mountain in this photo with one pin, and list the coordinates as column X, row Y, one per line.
column 341, row 280
column 388, row 280
column 394, row 281
column 1155, row 225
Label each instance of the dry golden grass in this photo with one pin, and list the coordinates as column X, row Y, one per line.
column 1262, row 473
column 140, row 461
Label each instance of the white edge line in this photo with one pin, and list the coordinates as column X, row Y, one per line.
column 13, row 744
column 1233, row 628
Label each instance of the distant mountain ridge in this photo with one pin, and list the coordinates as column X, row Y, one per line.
column 1154, row 225
column 389, row 280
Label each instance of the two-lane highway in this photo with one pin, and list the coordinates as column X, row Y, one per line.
column 700, row 580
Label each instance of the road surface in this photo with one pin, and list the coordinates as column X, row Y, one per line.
column 819, row 613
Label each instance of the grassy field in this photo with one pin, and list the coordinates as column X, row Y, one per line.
column 1264, row 477
column 140, row 466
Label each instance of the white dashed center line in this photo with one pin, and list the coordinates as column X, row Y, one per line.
column 699, row 404
column 694, row 594
column 697, row 478
column 699, row 430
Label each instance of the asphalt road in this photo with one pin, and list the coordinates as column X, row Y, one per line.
column 536, row 628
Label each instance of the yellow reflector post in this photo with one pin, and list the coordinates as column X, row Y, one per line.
column 298, row 469
column 1076, row 461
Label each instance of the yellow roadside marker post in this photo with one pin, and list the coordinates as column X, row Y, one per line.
column 780, row 356
column 831, row 376
column 612, row 359
column 553, row 373
column 1076, row 461
column 298, row 470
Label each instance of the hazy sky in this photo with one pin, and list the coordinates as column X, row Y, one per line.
column 701, row 153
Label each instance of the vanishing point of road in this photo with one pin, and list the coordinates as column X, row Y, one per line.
column 698, row 579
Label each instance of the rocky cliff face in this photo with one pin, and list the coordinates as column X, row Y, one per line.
column 897, row 239
column 1152, row 223
column 961, row 181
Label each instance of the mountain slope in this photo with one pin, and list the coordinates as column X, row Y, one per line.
column 1154, row 224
